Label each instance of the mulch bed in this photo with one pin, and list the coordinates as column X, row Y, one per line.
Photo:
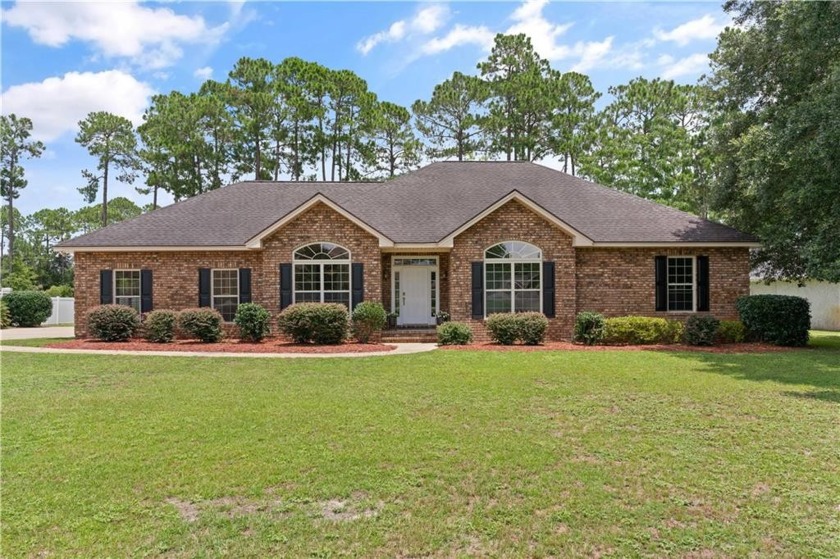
column 567, row 346
column 231, row 346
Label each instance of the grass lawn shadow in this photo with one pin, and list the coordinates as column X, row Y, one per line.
column 817, row 366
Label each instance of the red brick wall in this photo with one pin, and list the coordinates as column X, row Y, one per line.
column 176, row 273
column 615, row 281
column 513, row 222
column 620, row 281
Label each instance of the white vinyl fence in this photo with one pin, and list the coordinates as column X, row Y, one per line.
column 824, row 298
column 62, row 311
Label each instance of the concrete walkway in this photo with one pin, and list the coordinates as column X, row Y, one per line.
column 38, row 332
column 402, row 349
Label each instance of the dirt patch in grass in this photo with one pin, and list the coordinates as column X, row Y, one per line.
column 229, row 346
column 344, row 510
column 568, row 346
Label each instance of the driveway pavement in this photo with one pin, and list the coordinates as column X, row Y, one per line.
column 39, row 332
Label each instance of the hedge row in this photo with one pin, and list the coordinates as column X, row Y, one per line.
column 775, row 319
column 319, row 323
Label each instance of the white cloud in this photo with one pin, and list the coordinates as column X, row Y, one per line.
column 203, row 73
column 591, row 54
column 150, row 37
column 706, row 27
column 543, row 33
column 690, row 65
column 427, row 20
column 57, row 104
column 458, row 36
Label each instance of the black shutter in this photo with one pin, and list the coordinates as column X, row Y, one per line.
column 661, row 270
column 285, row 285
column 204, row 287
column 702, row 283
column 478, row 289
column 357, row 272
column 548, row 289
column 106, row 287
column 145, row 290
column 244, row 285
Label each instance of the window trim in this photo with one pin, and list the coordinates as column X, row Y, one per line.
column 668, row 283
column 320, row 263
column 213, row 288
column 512, row 262
column 139, row 295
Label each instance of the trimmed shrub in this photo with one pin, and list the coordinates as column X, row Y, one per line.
column 532, row 327
column 701, row 330
column 589, row 327
column 454, row 333
column 673, row 333
column 28, row 308
column 368, row 318
column 5, row 317
column 254, row 322
column 319, row 323
column 731, row 332
column 112, row 323
column 641, row 330
column 159, row 326
column 503, row 328
column 203, row 324
column 776, row 319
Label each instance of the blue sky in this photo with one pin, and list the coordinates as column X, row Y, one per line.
column 62, row 60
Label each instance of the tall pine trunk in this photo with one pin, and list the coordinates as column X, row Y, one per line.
column 105, row 194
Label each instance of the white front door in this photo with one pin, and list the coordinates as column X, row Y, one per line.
column 415, row 295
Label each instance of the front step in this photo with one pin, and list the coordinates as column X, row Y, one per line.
column 410, row 336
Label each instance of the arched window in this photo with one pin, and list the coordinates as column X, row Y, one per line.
column 512, row 278
column 322, row 274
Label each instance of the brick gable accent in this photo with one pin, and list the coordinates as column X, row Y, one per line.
column 176, row 273
column 514, row 222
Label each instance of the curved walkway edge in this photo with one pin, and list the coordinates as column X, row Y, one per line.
column 401, row 349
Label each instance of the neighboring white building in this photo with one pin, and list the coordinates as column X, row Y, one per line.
column 823, row 296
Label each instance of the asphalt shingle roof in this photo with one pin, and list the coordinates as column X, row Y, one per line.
column 420, row 207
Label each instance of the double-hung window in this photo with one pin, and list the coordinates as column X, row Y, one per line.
column 512, row 278
column 322, row 274
column 681, row 283
column 127, row 288
column 225, row 292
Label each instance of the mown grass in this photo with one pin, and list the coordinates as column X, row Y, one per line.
column 563, row 454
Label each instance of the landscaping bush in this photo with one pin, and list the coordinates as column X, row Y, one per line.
column 673, row 332
column 60, row 291
column 253, row 321
column 454, row 333
column 159, row 326
column 5, row 317
column 320, row 323
column 589, row 327
column 112, row 323
column 641, row 330
column 204, row 324
column 368, row 317
column 503, row 328
column 776, row 319
column 731, row 332
column 532, row 327
column 28, row 308
column 701, row 330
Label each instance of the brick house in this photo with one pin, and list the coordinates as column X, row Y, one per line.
column 468, row 238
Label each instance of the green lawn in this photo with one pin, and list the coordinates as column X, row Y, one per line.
column 565, row 454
